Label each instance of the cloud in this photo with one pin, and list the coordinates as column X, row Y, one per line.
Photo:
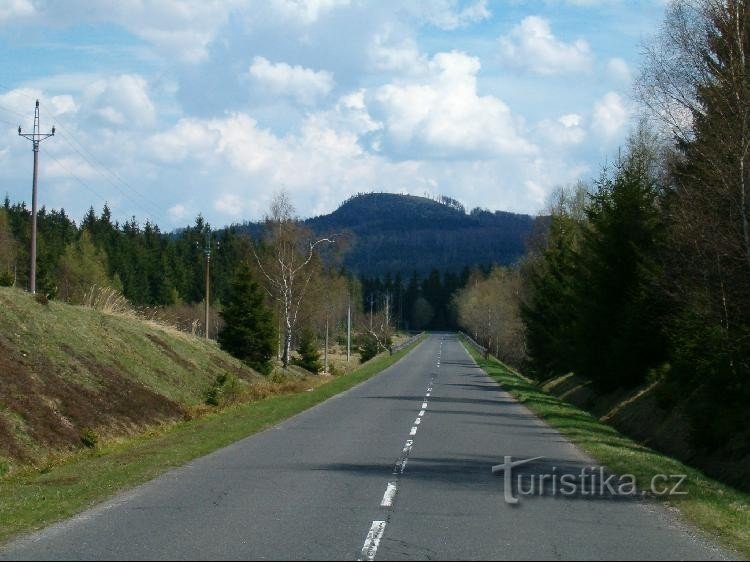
column 230, row 205
column 121, row 101
column 11, row 9
column 180, row 29
column 397, row 55
column 565, row 130
column 531, row 46
column 442, row 115
column 619, row 70
column 610, row 115
column 21, row 102
column 449, row 15
column 177, row 212
column 306, row 11
column 303, row 84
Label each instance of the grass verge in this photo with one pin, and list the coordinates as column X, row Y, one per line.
column 33, row 499
column 720, row 510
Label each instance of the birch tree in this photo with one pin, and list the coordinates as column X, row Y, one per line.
column 288, row 259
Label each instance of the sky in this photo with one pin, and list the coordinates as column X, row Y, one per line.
column 169, row 108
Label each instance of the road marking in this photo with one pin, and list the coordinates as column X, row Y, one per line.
column 421, row 413
column 424, row 405
column 390, row 493
column 400, row 465
column 370, row 549
column 407, row 447
column 427, row 395
column 417, row 421
column 413, row 430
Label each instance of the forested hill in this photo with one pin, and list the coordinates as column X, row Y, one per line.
column 403, row 233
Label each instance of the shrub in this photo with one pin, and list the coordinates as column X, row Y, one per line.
column 6, row 279
column 368, row 347
column 309, row 354
column 89, row 438
column 225, row 390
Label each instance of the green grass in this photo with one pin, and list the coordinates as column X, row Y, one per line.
column 720, row 510
column 34, row 499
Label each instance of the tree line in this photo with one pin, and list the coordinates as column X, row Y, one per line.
column 643, row 275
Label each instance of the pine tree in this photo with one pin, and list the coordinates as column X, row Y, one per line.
column 309, row 358
column 249, row 331
column 619, row 304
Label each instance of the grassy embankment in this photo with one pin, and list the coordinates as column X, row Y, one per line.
column 720, row 510
column 140, row 386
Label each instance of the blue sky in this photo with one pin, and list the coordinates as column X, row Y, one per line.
column 168, row 108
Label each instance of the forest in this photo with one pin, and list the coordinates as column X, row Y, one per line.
column 640, row 281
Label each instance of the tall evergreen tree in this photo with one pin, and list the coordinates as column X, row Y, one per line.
column 249, row 332
column 619, row 302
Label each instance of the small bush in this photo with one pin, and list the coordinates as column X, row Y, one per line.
column 309, row 355
column 89, row 438
column 42, row 299
column 368, row 348
column 6, row 279
column 225, row 390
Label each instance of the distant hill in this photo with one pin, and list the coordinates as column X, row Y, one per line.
column 403, row 233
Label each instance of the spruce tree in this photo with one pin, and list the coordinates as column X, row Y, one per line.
column 619, row 302
column 309, row 355
column 249, row 332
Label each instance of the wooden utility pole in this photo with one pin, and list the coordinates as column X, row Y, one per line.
column 207, row 253
column 349, row 329
column 325, row 369
column 35, row 137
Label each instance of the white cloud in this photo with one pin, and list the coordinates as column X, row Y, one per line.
column 230, row 204
column 304, row 84
column 619, row 70
column 532, row 46
column 180, row 29
column 399, row 55
column 10, row 9
column 610, row 116
column 177, row 212
column 121, row 100
column 443, row 115
column 21, row 101
column 565, row 130
column 306, row 11
column 449, row 15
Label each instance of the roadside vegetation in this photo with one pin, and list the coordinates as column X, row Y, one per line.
column 636, row 284
column 716, row 508
column 35, row 497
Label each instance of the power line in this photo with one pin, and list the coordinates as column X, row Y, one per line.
column 72, row 174
column 114, row 179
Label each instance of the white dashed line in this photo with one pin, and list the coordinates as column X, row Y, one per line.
column 390, row 493
column 407, row 447
column 424, row 405
column 370, row 549
column 421, row 413
column 413, row 431
column 417, row 421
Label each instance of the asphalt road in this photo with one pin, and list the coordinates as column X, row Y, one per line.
column 396, row 468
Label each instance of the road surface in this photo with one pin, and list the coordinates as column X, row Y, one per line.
column 396, row 468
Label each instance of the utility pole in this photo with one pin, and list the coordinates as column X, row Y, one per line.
column 325, row 370
column 372, row 303
column 207, row 253
column 35, row 137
